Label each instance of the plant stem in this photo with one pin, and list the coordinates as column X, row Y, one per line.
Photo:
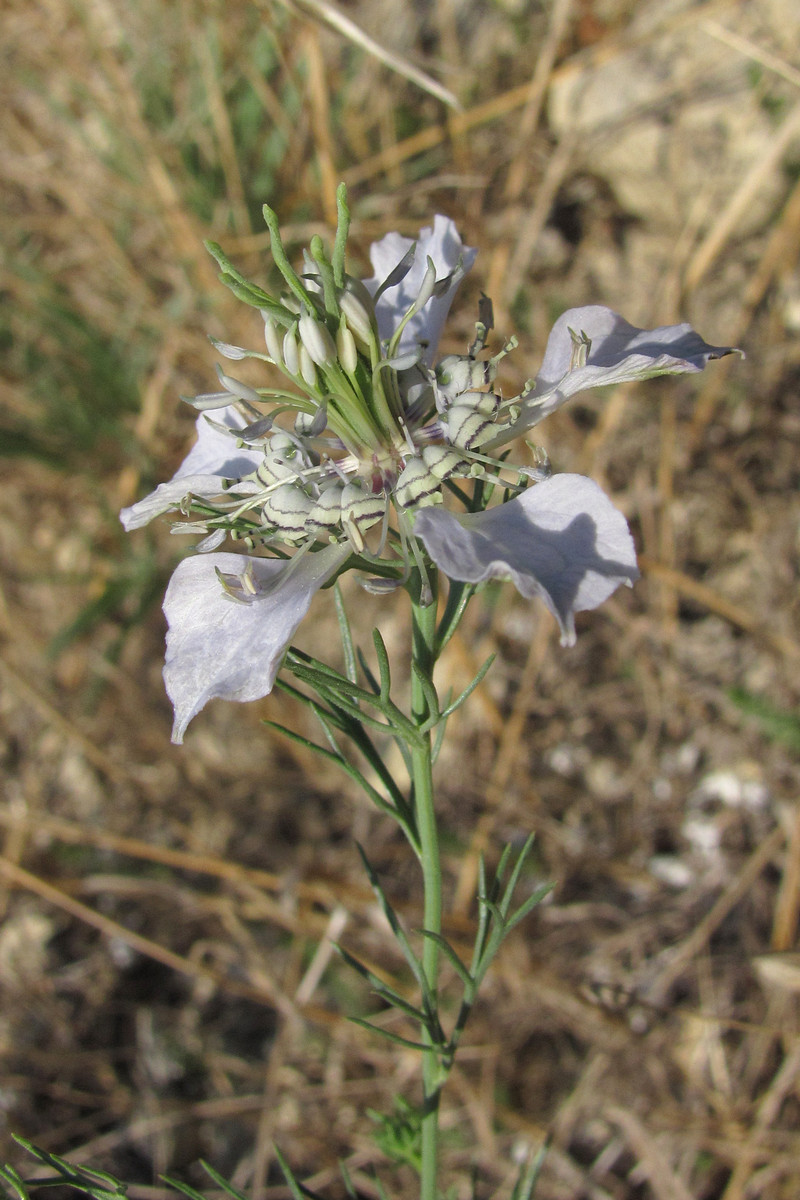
column 424, row 656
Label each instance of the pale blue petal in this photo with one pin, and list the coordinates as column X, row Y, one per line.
column 214, row 457
column 561, row 540
column 218, row 647
column 441, row 243
column 619, row 352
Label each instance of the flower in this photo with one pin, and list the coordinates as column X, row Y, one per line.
column 370, row 426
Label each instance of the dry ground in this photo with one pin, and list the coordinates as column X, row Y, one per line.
column 161, row 906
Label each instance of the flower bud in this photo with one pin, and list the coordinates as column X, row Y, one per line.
column 317, row 340
column 307, row 368
column 359, row 311
column 346, row 349
column 291, row 357
column 273, row 340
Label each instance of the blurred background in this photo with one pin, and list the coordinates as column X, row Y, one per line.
column 164, row 997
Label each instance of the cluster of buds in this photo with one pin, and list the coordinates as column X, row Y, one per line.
column 368, row 429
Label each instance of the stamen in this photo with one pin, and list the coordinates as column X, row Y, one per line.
column 581, row 349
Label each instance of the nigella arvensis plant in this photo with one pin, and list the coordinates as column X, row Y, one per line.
column 347, row 463
column 364, row 451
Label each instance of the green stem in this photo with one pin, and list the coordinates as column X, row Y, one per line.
column 424, row 653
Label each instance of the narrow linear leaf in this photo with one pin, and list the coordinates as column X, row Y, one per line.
column 250, row 294
column 508, row 895
column 438, row 739
column 352, row 727
column 282, row 262
column 300, row 740
column 384, row 669
column 336, row 688
column 182, row 1187
column 533, row 900
column 347, row 1181
column 501, row 869
column 84, row 1178
column 469, row 689
column 394, row 923
column 225, row 1184
column 342, row 229
column 529, row 1174
column 10, row 1177
column 346, row 634
column 369, row 674
column 327, row 729
column 458, row 597
column 452, row 957
column 377, row 799
column 386, row 1033
column 393, row 998
column 298, row 1190
column 430, row 694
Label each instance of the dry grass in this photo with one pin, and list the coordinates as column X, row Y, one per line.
column 162, row 995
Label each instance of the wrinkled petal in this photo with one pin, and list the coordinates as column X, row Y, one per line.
column 619, row 352
column 443, row 244
column 214, row 457
column 562, row 540
column 218, row 647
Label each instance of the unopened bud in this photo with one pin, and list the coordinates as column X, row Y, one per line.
column 317, row 340
column 291, row 357
column 272, row 338
column 346, row 349
column 356, row 304
column 307, row 368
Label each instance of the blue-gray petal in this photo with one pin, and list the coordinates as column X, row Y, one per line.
column 618, row 352
column 561, row 540
column 214, row 457
column 443, row 244
column 218, row 647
